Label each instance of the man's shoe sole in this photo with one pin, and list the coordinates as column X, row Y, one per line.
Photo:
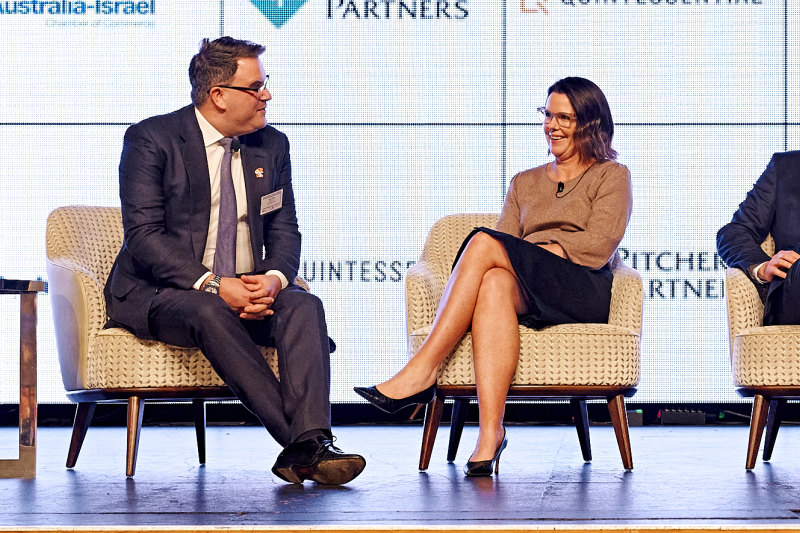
column 331, row 472
column 287, row 474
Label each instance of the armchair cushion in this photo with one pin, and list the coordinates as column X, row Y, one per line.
column 567, row 354
column 118, row 359
column 766, row 356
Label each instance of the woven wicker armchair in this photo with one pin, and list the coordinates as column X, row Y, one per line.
column 568, row 361
column 765, row 360
column 112, row 365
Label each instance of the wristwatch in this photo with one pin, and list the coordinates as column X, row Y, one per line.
column 212, row 285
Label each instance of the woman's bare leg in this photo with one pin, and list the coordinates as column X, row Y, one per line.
column 495, row 345
column 482, row 254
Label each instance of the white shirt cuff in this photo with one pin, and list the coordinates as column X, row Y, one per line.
column 199, row 282
column 754, row 273
column 284, row 281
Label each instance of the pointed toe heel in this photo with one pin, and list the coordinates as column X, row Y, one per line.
column 393, row 405
column 485, row 468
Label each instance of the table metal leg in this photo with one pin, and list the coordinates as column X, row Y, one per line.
column 25, row 465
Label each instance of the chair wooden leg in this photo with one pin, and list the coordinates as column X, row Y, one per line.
column 83, row 417
column 199, row 410
column 459, row 417
column 433, row 416
column 135, row 413
column 773, row 425
column 757, row 421
column 581, row 416
column 619, row 419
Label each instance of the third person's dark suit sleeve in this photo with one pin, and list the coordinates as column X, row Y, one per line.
column 739, row 241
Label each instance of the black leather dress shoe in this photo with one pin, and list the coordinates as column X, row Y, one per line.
column 392, row 405
column 319, row 460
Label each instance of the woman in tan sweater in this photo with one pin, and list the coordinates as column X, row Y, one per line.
column 546, row 262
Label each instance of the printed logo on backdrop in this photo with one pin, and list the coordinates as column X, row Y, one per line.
column 278, row 12
column 528, row 7
column 77, row 7
column 537, row 6
column 678, row 274
column 355, row 270
column 667, row 274
column 398, row 9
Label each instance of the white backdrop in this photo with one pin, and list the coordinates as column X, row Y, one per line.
column 402, row 111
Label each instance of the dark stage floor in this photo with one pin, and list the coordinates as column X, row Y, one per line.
column 682, row 476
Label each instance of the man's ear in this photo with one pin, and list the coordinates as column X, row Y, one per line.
column 216, row 97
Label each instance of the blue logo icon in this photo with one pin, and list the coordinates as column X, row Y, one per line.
column 278, row 11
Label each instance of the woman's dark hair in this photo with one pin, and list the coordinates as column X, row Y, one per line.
column 595, row 127
column 216, row 64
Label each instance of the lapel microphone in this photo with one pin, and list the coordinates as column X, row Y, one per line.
column 560, row 183
column 235, row 144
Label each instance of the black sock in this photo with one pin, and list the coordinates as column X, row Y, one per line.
column 312, row 433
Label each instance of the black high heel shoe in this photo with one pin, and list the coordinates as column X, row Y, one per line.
column 392, row 405
column 484, row 468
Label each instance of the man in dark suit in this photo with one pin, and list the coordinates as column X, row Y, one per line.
column 771, row 207
column 211, row 249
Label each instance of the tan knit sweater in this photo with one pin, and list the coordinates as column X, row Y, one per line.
column 588, row 220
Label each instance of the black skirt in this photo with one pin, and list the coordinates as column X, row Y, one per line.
column 557, row 290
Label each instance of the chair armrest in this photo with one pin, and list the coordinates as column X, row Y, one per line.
column 626, row 298
column 79, row 312
column 302, row 283
column 745, row 309
column 424, row 288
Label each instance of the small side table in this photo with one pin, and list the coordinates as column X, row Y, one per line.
column 25, row 465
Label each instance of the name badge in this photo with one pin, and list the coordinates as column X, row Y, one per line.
column 272, row 202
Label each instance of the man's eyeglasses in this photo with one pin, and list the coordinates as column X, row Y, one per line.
column 563, row 119
column 255, row 89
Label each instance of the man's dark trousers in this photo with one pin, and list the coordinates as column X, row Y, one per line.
column 287, row 408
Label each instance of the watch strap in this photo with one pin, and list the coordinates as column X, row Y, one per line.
column 212, row 285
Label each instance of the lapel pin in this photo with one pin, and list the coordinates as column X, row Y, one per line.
column 259, row 172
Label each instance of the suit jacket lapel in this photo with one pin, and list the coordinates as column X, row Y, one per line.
column 255, row 158
column 196, row 163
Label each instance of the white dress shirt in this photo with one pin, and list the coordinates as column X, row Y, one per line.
column 244, row 251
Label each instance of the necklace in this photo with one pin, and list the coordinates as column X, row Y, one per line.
column 560, row 187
